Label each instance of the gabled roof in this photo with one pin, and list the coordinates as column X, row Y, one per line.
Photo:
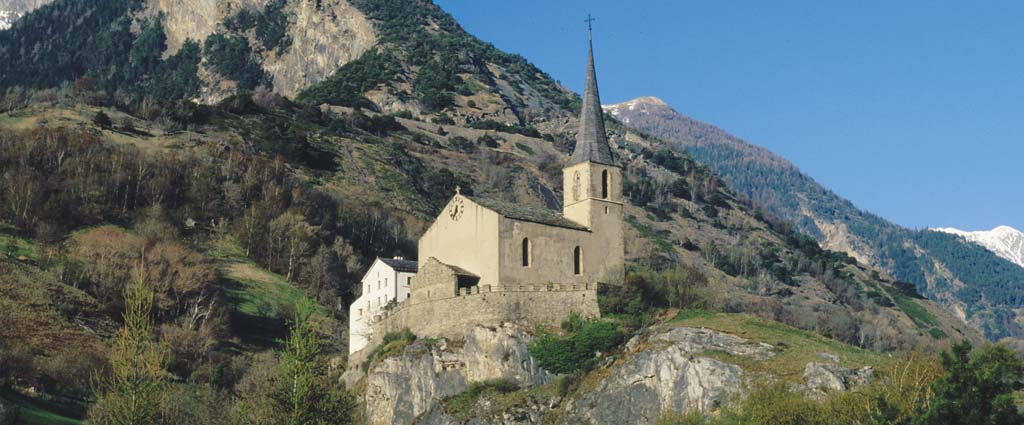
column 400, row 265
column 527, row 213
column 591, row 141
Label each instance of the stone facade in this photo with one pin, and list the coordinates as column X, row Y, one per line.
column 485, row 262
column 452, row 315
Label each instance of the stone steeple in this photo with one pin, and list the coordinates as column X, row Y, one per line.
column 591, row 141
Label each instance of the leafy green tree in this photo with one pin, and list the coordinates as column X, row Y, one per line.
column 976, row 389
column 133, row 391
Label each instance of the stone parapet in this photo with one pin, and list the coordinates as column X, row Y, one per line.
column 486, row 305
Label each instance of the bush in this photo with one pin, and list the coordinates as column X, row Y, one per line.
column 392, row 344
column 487, row 140
column 348, row 84
column 102, row 120
column 232, row 57
column 461, row 405
column 462, row 144
column 576, row 351
column 525, row 130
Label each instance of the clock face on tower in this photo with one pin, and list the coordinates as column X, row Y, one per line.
column 455, row 211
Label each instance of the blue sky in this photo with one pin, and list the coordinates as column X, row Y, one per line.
column 913, row 110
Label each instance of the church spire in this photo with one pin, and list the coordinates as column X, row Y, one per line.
column 591, row 141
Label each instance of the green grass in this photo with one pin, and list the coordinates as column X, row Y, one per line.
column 461, row 406
column 393, row 344
column 258, row 298
column 937, row 333
column 694, row 313
column 794, row 348
column 14, row 247
column 29, row 414
column 915, row 311
column 251, row 289
column 524, row 148
column 647, row 232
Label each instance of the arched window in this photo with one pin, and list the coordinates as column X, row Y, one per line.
column 527, row 252
column 606, row 184
column 577, row 261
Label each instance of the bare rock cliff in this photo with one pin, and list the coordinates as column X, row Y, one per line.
column 322, row 39
column 671, row 374
column 667, row 369
column 324, row 35
column 401, row 389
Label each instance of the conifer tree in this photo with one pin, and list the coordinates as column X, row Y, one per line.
column 302, row 389
column 132, row 392
column 976, row 389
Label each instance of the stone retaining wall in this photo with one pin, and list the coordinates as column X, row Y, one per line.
column 486, row 305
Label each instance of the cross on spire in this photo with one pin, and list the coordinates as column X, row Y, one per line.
column 590, row 25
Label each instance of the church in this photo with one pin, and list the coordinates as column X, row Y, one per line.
column 485, row 262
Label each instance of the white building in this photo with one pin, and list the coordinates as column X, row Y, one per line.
column 385, row 282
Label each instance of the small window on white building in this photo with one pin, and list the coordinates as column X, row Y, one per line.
column 360, row 312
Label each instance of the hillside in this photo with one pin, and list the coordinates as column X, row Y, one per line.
column 972, row 283
column 234, row 204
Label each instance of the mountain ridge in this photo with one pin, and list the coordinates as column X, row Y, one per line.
column 1004, row 241
column 942, row 266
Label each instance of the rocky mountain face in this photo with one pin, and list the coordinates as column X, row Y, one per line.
column 439, row 109
column 384, row 55
column 670, row 368
column 940, row 266
column 321, row 37
column 1004, row 241
column 11, row 10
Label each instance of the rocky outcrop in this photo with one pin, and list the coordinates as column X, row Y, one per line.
column 670, row 374
column 324, row 36
column 665, row 369
column 827, row 376
column 401, row 388
column 193, row 19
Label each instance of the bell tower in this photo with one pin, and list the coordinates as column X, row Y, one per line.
column 592, row 180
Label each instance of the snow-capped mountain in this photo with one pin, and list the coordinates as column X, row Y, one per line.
column 643, row 105
column 1004, row 241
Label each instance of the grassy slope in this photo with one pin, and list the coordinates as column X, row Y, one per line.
column 30, row 414
column 795, row 347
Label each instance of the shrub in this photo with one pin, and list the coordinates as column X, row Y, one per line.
column 462, row 144
column 348, row 84
column 461, row 405
column 487, row 140
column 392, row 344
column 576, row 351
column 524, row 148
column 232, row 57
column 102, row 120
